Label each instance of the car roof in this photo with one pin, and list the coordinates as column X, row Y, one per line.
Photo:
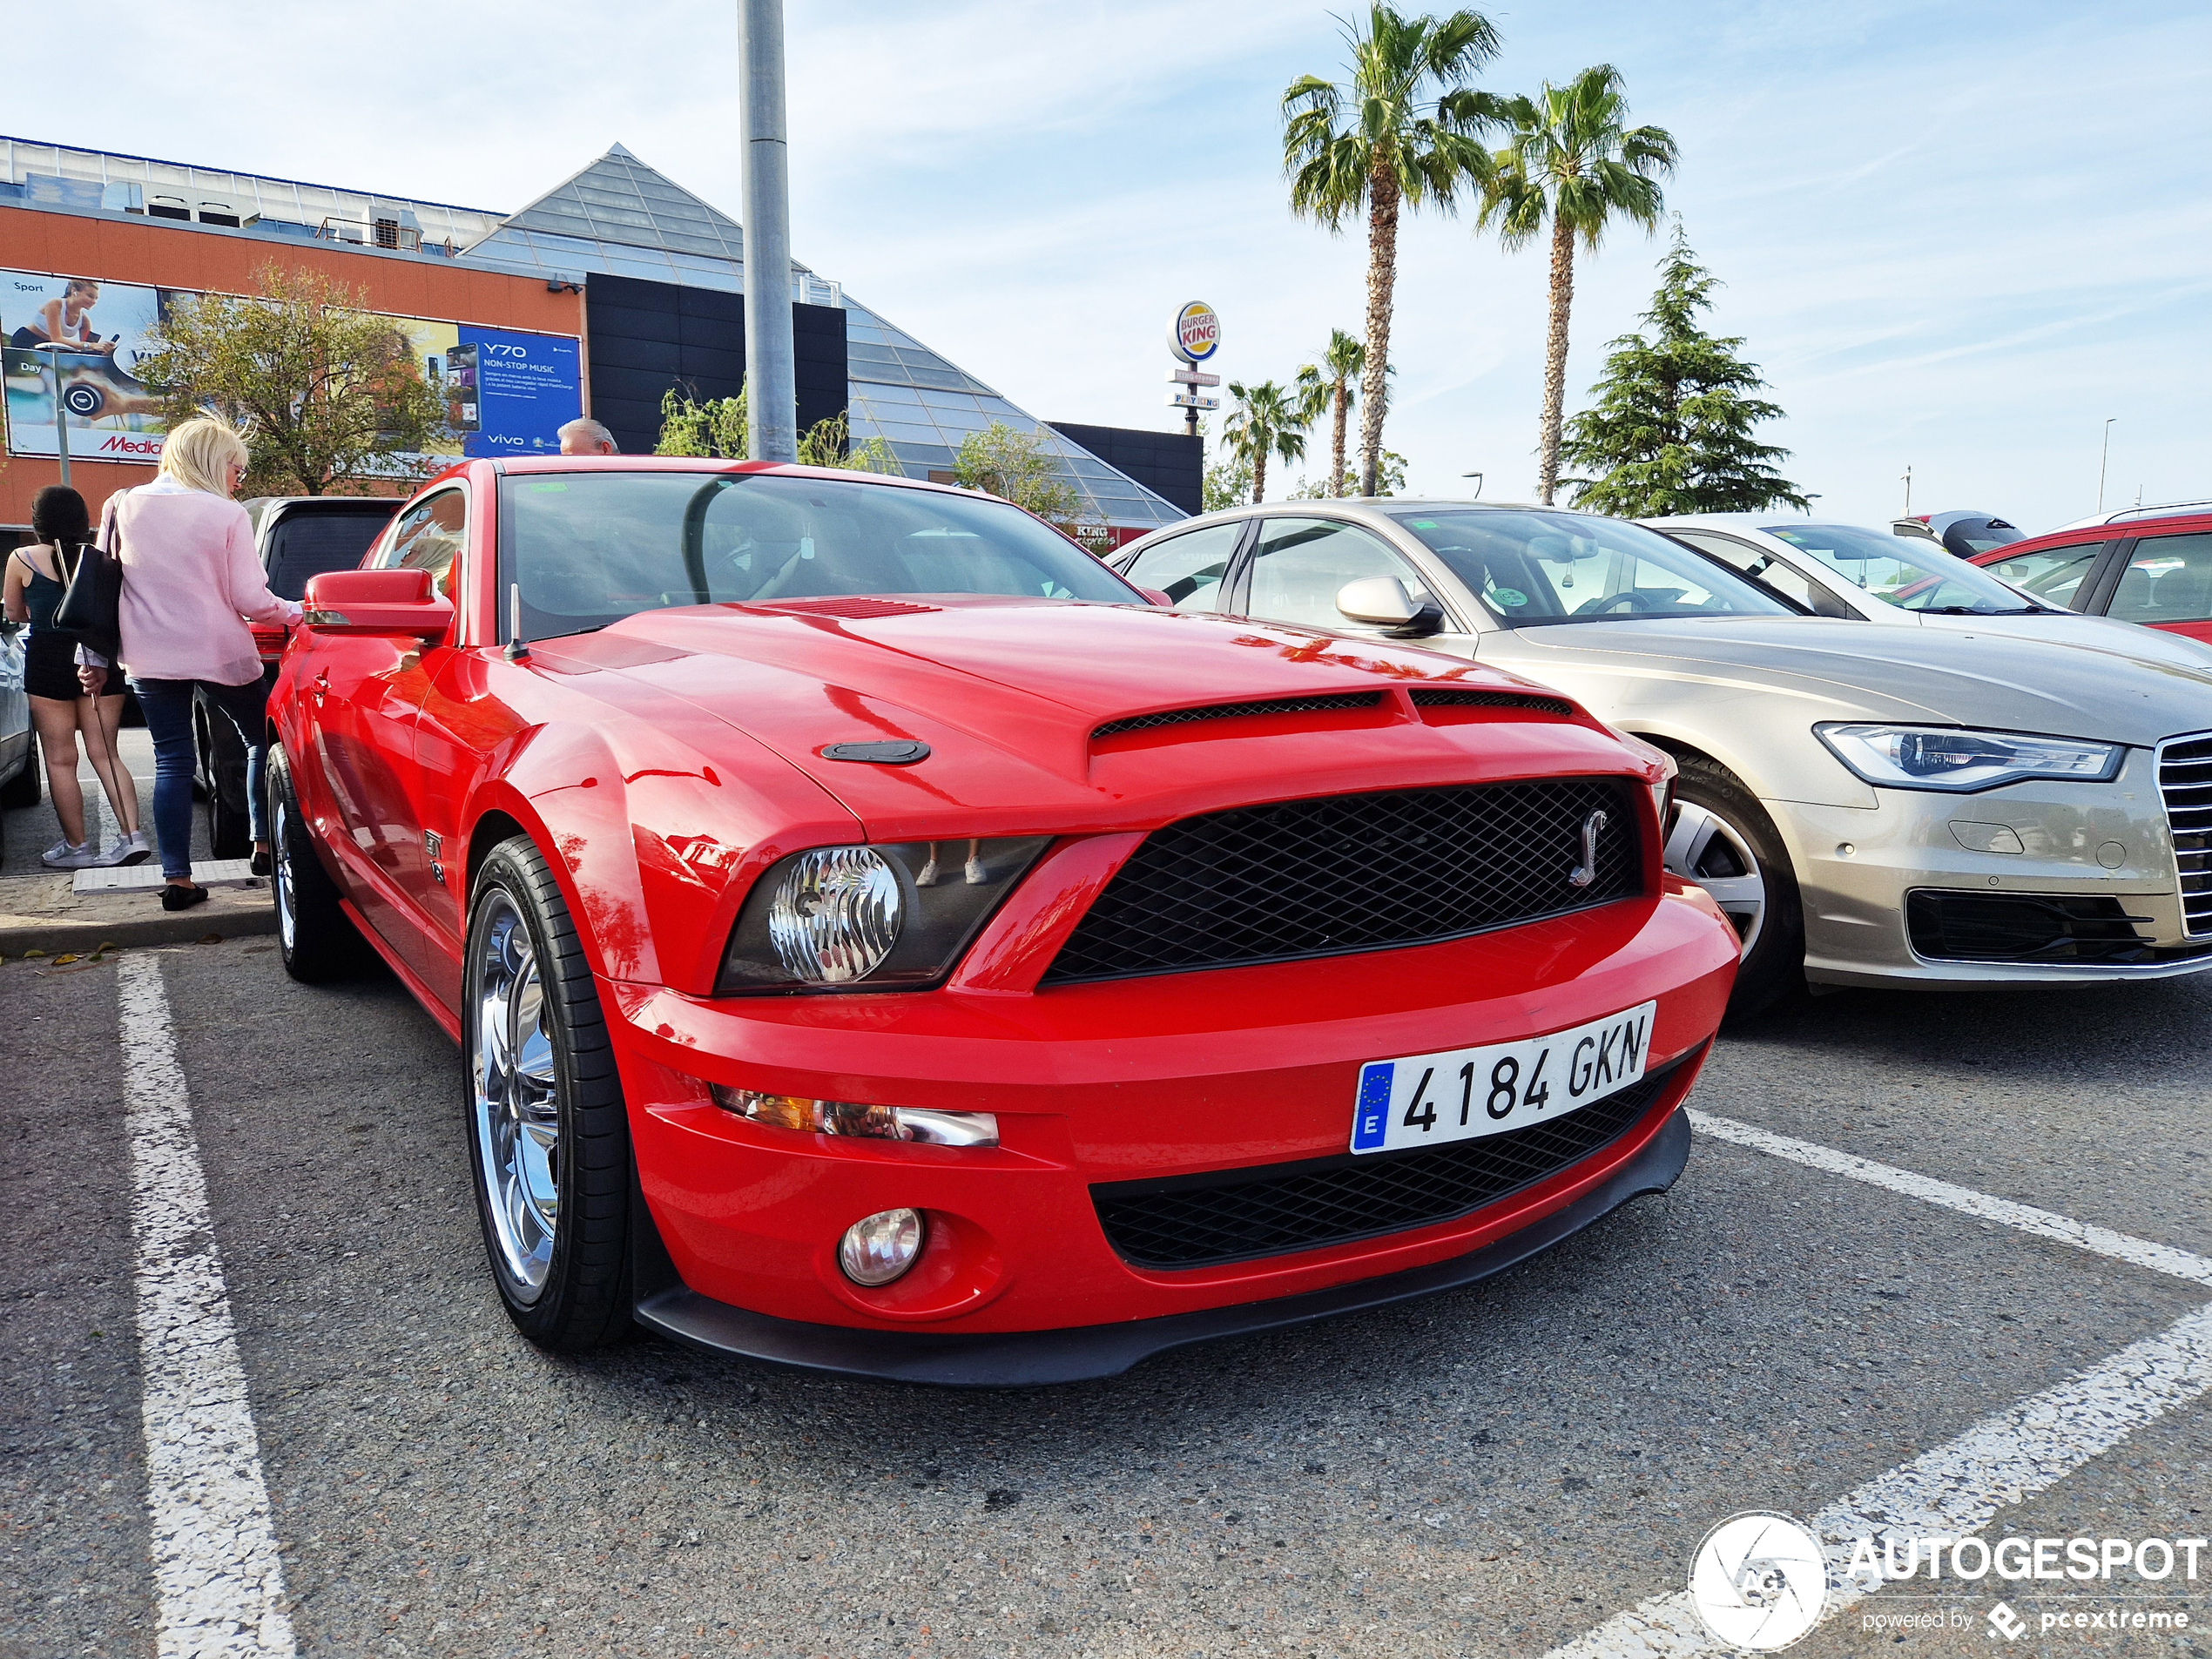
column 2102, row 529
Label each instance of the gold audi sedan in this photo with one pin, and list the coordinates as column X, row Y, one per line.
column 1871, row 805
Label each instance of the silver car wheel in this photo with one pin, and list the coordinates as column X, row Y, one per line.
column 287, row 902
column 1704, row 848
column 517, row 1105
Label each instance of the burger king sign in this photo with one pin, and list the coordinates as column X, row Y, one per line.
column 1197, row 336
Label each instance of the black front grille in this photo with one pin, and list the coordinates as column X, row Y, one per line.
column 1353, row 872
column 2022, row 927
column 1433, row 697
column 2185, row 782
column 1198, row 1221
column 1229, row 710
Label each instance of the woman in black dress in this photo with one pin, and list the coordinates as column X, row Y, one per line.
column 37, row 577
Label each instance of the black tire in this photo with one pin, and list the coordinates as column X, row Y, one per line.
column 564, row 1279
column 1774, row 964
column 318, row 940
column 22, row 790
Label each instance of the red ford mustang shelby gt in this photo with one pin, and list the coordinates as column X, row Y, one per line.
column 881, row 940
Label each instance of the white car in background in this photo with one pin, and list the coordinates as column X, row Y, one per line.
column 1861, row 574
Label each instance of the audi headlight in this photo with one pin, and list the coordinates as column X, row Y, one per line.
column 1943, row 758
column 891, row 917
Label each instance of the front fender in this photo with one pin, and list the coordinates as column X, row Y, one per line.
column 653, row 848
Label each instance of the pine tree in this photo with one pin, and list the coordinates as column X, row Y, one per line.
column 1672, row 430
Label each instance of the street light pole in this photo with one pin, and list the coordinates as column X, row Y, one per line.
column 61, row 415
column 771, row 366
column 1908, row 492
column 2104, row 454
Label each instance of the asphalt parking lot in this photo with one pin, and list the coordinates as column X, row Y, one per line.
column 1494, row 1470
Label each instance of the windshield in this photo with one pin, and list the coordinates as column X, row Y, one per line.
column 587, row 549
column 1912, row 575
column 1531, row 568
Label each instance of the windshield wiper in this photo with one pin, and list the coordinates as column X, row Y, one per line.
column 1976, row 611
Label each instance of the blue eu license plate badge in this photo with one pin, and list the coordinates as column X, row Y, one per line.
column 1372, row 1114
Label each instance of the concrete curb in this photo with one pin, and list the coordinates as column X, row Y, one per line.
column 41, row 913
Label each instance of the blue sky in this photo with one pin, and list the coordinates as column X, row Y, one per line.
column 1955, row 237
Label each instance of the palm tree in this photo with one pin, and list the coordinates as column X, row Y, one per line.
column 1404, row 129
column 1326, row 387
column 1573, row 159
column 1266, row 421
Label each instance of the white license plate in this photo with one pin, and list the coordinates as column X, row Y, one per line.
column 1460, row 1094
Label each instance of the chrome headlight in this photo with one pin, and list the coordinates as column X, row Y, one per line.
column 889, row 917
column 1944, row 758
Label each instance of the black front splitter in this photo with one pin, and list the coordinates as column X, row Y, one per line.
column 1027, row 1358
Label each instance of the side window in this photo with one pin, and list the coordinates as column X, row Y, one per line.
column 1299, row 565
column 428, row 536
column 1189, row 568
column 2169, row 578
column 2054, row 575
column 1769, row 572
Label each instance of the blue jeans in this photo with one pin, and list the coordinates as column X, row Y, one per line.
column 167, row 705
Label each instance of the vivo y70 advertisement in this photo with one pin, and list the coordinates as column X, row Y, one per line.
column 506, row 394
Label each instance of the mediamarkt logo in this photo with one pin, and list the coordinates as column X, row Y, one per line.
column 123, row 443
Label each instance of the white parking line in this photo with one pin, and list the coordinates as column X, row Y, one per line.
column 2043, row 1223
column 1956, row 1489
column 2004, row 1460
column 219, row 1583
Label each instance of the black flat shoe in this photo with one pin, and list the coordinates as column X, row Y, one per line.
column 260, row 864
column 183, row 897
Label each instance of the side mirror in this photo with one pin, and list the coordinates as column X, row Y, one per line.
column 378, row 601
column 1382, row 601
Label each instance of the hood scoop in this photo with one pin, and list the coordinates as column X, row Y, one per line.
column 847, row 607
column 1466, row 697
column 1327, row 703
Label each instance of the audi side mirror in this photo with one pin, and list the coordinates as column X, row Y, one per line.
column 377, row 602
column 1382, row 602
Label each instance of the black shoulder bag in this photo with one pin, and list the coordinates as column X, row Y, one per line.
column 89, row 609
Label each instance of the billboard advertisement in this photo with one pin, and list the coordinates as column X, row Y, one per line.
column 506, row 393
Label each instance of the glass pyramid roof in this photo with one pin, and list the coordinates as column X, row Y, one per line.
column 623, row 218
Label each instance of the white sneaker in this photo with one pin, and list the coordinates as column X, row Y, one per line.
column 58, row 849
column 130, row 849
column 81, row 857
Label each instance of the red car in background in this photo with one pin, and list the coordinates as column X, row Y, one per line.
column 2150, row 564
column 880, row 939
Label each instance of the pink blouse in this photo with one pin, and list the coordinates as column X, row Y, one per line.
column 190, row 579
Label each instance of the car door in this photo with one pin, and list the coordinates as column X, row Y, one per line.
column 458, row 723
column 1190, row 569
column 367, row 691
column 1296, row 565
column 2062, row 574
column 2165, row 582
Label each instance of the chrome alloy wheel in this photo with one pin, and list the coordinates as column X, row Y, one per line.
column 517, row 1108
column 1704, row 848
column 287, row 901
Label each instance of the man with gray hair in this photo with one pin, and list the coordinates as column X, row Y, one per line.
column 585, row 436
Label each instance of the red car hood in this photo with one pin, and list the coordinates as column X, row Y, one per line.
column 1009, row 694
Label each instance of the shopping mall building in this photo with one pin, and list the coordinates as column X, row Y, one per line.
column 596, row 299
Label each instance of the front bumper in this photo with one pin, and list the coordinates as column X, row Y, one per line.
column 1855, row 869
column 1030, row 1359
column 1125, row 1081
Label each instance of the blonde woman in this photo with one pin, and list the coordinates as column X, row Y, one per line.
column 190, row 583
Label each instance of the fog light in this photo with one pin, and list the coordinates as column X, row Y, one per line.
column 877, row 1249
column 812, row 1116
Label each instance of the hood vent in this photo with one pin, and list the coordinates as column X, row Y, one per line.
column 1229, row 710
column 1434, row 697
column 850, row 607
